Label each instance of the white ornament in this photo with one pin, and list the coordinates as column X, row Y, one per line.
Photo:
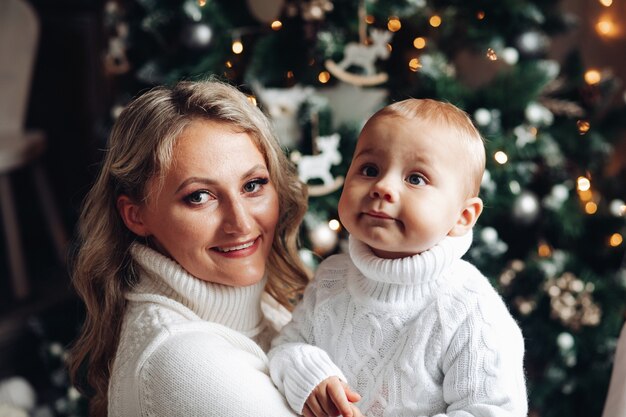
column 618, row 208
column 538, row 114
column 282, row 105
column 526, row 208
column 17, row 392
column 318, row 166
column 323, row 239
column 565, row 341
column 351, row 104
column 510, row 55
column 524, row 135
column 489, row 235
column 364, row 57
column 482, row 117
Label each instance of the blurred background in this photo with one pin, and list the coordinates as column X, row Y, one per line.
column 542, row 79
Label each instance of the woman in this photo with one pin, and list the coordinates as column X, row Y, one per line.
column 191, row 222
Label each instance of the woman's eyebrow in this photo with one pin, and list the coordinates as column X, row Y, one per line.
column 209, row 181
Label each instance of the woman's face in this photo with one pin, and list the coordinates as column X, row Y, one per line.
column 218, row 209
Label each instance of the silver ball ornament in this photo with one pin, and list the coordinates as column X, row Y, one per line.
column 196, row 35
column 323, row 239
column 525, row 208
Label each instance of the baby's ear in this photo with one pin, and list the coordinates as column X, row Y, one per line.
column 130, row 212
column 467, row 219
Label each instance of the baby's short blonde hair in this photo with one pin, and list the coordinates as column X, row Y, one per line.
column 449, row 116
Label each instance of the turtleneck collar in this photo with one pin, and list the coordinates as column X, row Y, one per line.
column 238, row 308
column 405, row 279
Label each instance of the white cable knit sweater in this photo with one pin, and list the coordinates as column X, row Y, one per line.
column 425, row 335
column 187, row 347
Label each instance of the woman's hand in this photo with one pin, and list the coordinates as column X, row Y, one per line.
column 331, row 398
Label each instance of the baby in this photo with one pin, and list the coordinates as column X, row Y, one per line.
column 401, row 319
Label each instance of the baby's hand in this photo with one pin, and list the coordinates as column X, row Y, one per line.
column 331, row 398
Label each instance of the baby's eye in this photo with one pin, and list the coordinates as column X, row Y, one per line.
column 255, row 185
column 416, row 179
column 369, row 171
column 198, row 197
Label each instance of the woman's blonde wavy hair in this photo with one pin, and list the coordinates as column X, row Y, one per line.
column 140, row 148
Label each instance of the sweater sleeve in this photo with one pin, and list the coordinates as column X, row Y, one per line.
column 296, row 365
column 196, row 374
column 483, row 358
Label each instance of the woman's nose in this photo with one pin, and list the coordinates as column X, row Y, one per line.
column 384, row 189
column 237, row 218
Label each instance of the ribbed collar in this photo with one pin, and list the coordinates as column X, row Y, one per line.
column 405, row 279
column 238, row 308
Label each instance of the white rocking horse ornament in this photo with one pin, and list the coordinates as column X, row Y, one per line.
column 364, row 57
column 318, row 166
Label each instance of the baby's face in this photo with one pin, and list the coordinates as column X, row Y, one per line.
column 406, row 187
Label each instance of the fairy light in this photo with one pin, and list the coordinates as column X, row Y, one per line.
column 585, row 195
column 592, row 76
column 435, row 21
column 583, row 126
column 480, row 15
column 544, row 250
column 201, row 3
column 252, row 99
column 237, row 46
column 419, row 43
column 277, row 25
column 615, row 240
column 394, row 24
column 369, row 19
column 491, row 54
column 606, row 27
column 606, row 3
column 324, row 77
column 591, row 207
column 501, row 157
column 334, row 225
column 583, row 184
column 228, row 64
column 415, row 64
column 289, row 75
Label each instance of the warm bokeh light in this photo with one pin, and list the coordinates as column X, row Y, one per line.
column 201, row 3
column 435, row 21
column 480, row 15
column 277, row 25
column 237, row 47
column 228, row 64
column 415, row 64
column 289, row 74
column 606, row 27
column 583, row 183
column 252, row 99
column 394, row 24
column 324, row 77
column 606, row 3
column 501, row 157
column 593, row 76
column 419, row 43
column 585, row 195
column 591, row 207
column 615, row 240
column 334, row 225
column 491, row 54
column 583, row 126
column 544, row 250
column 369, row 19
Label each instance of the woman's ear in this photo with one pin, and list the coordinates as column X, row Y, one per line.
column 468, row 217
column 130, row 212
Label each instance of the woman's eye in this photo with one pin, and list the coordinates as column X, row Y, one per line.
column 416, row 179
column 369, row 171
column 197, row 197
column 255, row 185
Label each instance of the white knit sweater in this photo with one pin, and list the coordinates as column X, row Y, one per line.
column 192, row 348
column 425, row 335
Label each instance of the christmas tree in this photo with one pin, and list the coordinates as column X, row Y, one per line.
column 551, row 235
